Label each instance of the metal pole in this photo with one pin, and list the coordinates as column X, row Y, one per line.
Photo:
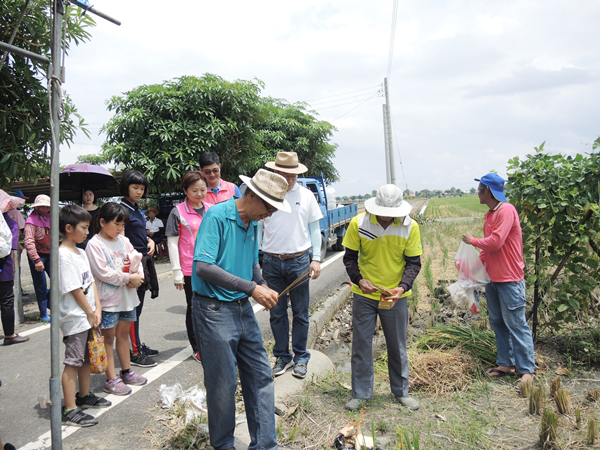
column 385, row 140
column 55, row 378
column 22, row 52
column 17, row 286
column 390, row 145
column 91, row 9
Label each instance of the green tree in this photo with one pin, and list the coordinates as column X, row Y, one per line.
column 473, row 191
column 291, row 128
column 92, row 159
column 24, row 111
column 557, row 198
column 163, row 129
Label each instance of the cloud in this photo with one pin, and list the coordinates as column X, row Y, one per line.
column 530, row 79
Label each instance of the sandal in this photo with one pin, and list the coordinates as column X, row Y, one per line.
column 500, row 373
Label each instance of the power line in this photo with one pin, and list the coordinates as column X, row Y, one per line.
column 343, row 98
column 392, row 39
column 373, row 96
column 345, row 93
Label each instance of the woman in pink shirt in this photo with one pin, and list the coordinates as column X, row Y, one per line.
column 182, row 228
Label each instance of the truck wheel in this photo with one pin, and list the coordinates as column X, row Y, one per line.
column 323, row 248
column 338, row 247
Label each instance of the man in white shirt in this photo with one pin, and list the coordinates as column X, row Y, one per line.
column 287, row 239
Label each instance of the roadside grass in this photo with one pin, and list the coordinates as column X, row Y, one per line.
column 466, row 206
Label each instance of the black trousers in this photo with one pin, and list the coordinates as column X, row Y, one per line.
column 7, row 307
column 189, row 323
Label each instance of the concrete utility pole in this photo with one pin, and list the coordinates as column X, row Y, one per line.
column 389, row 147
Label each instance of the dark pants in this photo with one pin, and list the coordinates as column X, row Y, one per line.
column 39, row 282
column 189, row 322
column 7, row 307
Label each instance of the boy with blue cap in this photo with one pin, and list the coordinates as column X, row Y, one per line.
column 502, row 255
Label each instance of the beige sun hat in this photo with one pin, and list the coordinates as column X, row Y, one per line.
column 41, row 200
column 287, row 162
column 388, row 202
column 270, row 187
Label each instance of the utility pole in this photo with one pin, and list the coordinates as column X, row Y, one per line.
column 389, row 146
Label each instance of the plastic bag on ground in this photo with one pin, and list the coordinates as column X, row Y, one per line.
column 464, row 298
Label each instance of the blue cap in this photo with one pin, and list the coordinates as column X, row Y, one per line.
column 496, row 183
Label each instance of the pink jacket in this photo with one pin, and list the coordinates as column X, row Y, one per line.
column 502, row 246
column 104, row 273
column 189, row 224
column 225, row 193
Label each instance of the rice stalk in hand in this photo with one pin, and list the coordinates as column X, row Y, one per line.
column 593, row 396
column 554, row 386
column 563, row 401
column 479, row 343
column 526, row 388
column 548, row 433
column 537, row 397
column 578, row 418
column 591, row 431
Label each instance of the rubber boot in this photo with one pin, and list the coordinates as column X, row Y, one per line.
column 44, row 311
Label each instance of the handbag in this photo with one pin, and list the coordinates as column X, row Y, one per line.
column 98, row 358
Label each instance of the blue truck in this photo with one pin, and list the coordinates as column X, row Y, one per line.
column 335, row 221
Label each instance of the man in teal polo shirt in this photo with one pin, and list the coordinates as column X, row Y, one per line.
column 226, row 274
column 383, row 248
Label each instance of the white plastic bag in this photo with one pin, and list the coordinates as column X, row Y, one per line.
column 471, row 275
column 471, row 272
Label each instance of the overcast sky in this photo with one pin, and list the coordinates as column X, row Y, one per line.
column 472, row 84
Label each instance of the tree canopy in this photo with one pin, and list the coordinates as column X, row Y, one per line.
column 163, row 129
column 24, row 111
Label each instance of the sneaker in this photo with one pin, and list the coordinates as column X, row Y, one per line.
column 409, row 402
column 91, row 401
column 148, row 351
column 77, row 418
column 281, row 366
column 142, row 360
column 116, row 387
column 196, row 356
column 133, row 378
column 15, row 340
column 300, row 370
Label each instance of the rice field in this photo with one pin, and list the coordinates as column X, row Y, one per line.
column 467, row 206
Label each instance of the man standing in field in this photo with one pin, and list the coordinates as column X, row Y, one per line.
column 383, row 250
column 502, row 256
column 286, row 242
column 225, row 276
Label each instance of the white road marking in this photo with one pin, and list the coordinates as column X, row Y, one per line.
column 45, row 440
column 35, row 330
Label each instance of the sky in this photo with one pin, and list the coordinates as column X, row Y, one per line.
column 471, row 84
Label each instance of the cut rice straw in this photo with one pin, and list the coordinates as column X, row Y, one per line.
column 439, row 372
column 479, row 343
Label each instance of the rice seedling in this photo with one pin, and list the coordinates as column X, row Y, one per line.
column 591, row 431
column 563, row 401
column 526, row 388
column 429, row 275
column 578, row 418
column 548, row 432
column 554, row 386
column 479, row 343
column 537, row 397
column 404, row 440
column 593, row 395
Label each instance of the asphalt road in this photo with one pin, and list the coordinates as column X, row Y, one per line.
column 25, row 373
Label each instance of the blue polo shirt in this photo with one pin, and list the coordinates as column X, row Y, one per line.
column 136, row 228
column 224, row 240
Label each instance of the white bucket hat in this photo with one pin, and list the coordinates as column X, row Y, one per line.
column 41, row 200
column 388, row 202
column 270, row 187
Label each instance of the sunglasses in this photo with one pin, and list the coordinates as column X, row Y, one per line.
column 208, row 171
column 270, row 209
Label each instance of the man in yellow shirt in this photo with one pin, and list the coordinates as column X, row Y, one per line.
column 383, row 248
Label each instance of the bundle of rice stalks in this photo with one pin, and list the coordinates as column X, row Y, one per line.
column 479, row 343
column 537, row 397
column 548, row 433
column 563, row 401
column 593, row 395
column 525, row 388
column 591, row 431
column 554, row 386
column 439, row 372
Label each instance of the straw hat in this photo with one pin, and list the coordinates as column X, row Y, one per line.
column 388, row 202
column 270, row 187
column 152, row 208
column 41, row 200
column 287, row 162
